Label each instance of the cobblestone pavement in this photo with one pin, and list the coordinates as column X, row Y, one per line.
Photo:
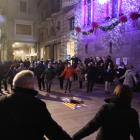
column 73, row 120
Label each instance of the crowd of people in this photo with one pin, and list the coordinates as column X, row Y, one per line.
column 27, row 117
column 91, row 71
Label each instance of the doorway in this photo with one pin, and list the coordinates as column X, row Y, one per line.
column 70, row 48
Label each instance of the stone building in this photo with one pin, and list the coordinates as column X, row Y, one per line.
column 49, row 30
column 116, row 35
column 18, row 31
column 56, row 29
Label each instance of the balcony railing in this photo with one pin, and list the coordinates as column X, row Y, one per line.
column 68, row 3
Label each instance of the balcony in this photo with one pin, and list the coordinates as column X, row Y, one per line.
column 67, row 5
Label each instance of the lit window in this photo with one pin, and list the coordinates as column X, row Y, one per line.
column 114, row 8
column 87, row 9
column 23, row 6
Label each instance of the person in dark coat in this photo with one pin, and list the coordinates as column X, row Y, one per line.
column 74, row 65
column 116, row 119
column 101, row 60
column 2, row 78
column 27, row 63
column 108, row 75
column 109, row 62
column 11, row 74
column 59, row 71
column 32, row 68
column 91, row 75
column 39, row 69
column 65, row 63
column 24, row 116
column 87, row 61
column 50, row 75
column 101, row 73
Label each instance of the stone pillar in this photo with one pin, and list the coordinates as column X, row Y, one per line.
column 8, row 51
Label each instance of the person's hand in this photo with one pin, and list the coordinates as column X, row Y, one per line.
column 40, row 76
column 3, row 79
column 136, row 82
column 99, row 76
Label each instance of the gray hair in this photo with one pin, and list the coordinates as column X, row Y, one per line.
column 21, row 64
column 23, row 78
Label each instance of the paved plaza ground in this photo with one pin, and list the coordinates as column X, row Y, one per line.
column 73, row 120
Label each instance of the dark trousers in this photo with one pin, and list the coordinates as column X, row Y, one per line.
column 90, row 84
column 80, row 83
column 75, row 76
column 68, row 82
column 5, row 85
column 48, row 84
column 41, row 80
column 61, row 82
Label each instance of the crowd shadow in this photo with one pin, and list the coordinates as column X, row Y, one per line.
column 60, row 95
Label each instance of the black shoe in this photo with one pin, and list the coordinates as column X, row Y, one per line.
column 139, row 103
column 49, row 91
column 106, row 92
column 65, row 91
column 69, row 91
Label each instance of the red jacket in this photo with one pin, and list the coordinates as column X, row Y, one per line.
column 69, row 72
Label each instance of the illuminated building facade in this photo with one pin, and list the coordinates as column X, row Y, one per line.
column 18, row 30
column 119, row 41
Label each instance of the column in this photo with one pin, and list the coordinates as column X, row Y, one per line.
column 58, row 51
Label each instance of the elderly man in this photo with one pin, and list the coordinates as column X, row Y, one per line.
column 21, row 68
column 25, row 117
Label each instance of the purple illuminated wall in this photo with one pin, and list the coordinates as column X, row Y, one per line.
column 126, row 44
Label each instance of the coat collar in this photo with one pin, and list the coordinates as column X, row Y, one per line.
column 31, row 92
column 121, row 102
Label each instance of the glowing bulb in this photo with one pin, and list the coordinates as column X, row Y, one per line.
column 103, row 1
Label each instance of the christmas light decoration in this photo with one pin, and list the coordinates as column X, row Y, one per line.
column 109, row 30
column 103, row 1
